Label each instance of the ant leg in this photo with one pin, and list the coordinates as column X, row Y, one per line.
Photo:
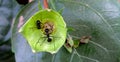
column 54, row 46
column 54, row 43
column 37, row 43
column 54, row 38
column 42, row 41
column 32, row 28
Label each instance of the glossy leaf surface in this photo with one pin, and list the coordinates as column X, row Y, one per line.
column 99, row 19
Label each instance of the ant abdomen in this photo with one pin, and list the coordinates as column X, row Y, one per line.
column 49, row 39
column 38, row 24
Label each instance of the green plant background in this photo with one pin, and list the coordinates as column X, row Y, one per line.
column 97, row 18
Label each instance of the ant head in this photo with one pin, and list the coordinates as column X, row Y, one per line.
column 46, row 30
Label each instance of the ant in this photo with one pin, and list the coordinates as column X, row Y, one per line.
column 48, row 29
column 38, row 24
column 48, row 35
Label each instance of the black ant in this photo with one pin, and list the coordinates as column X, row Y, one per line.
column 48, row 29
column 48, row 35
column 38, row 24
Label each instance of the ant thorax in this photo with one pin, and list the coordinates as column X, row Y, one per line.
column 48, row 28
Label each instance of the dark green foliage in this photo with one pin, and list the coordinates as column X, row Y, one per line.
column 99, row 19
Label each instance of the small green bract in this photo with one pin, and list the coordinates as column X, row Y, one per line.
column 45, row 31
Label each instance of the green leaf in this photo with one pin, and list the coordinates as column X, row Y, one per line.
column 96, row 18
column 38, row 38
